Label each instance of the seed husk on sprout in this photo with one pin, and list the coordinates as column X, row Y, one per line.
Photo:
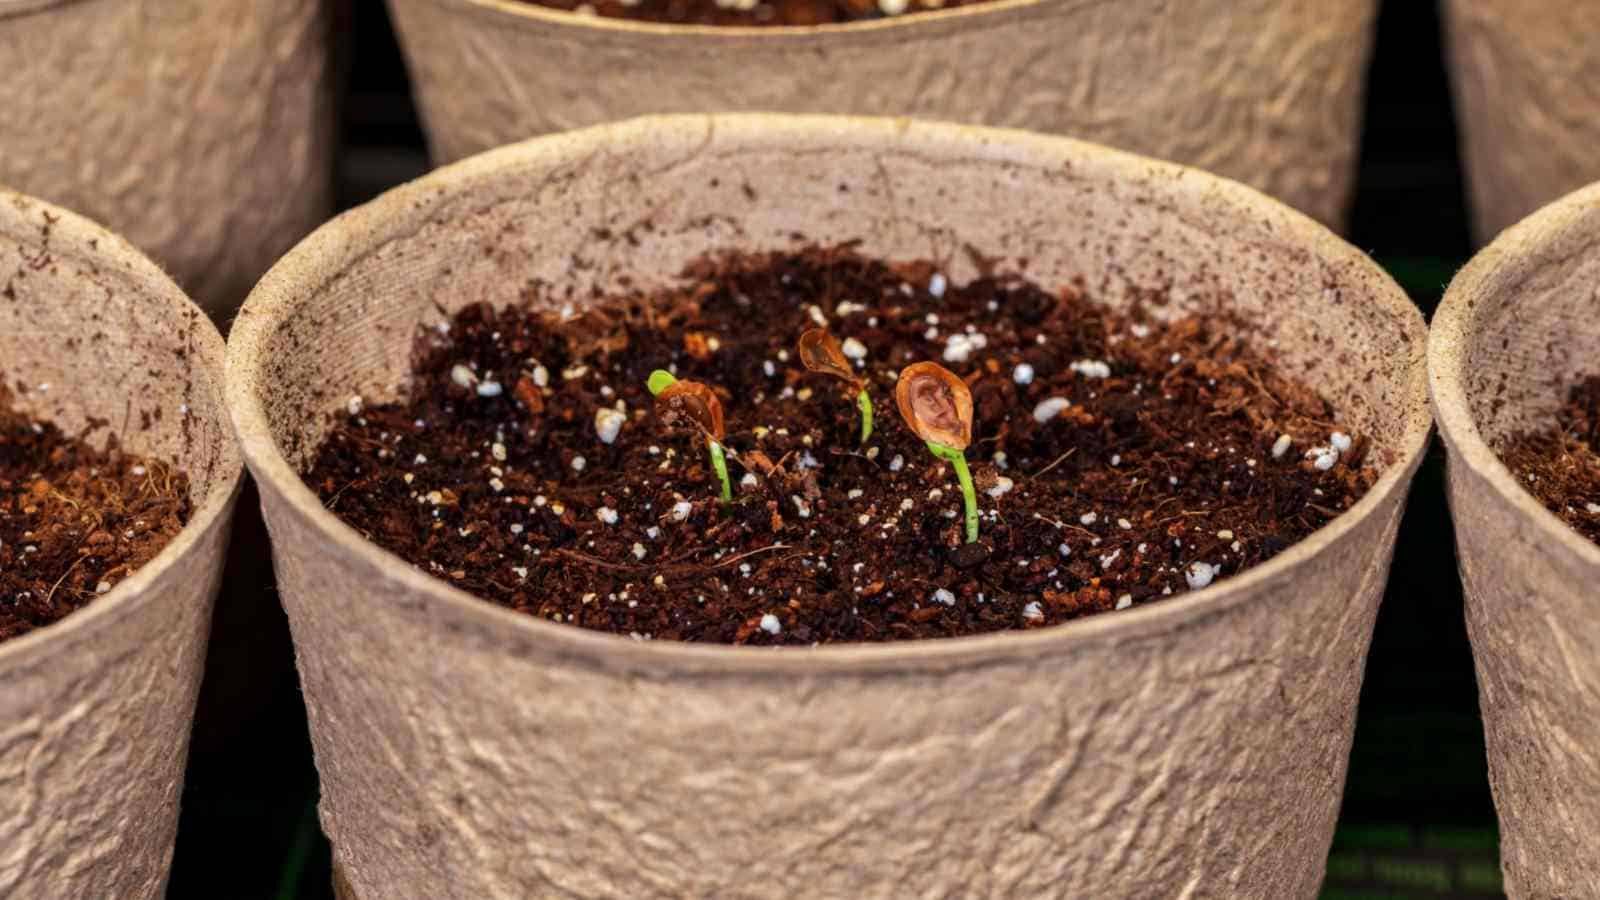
column 694, row 404
column 937, row 407
column 820, row 352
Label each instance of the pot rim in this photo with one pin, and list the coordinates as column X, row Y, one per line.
column 78, row 236
column 275, row 299
column 544, row 17
column 1447, row 340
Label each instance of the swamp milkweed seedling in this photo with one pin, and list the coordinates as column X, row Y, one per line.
column 937, row 406
column 820, row 352
column 698, row 404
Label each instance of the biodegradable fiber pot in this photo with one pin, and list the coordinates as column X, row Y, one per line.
column 1526, row 75
column 95, row 709
column 1195, row 746
column 1265, row 91
column 1515, row 331
column 199, row 129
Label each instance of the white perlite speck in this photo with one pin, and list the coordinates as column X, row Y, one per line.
column 1322, row 457
column 608, row 424
column 1002, row 486
column 1340, row 441
column 490, row 389
column 102, row 587
column 1281, row 446
column 898, row 463
column 1091, row 368
column 936, row 284
column 354, row 405
column 1033, row 612
column 638, row 550
column 607, row 515
column 1088, row 518
column 958, row 348
column 801, row 506
column 1199, row 574
column 498, row 451
column 854, row 349
column 749, row 482
column 578, row 463
column 945, row 597
column 462, row 376
column 681, row 510
column 770, row 624
column 1022, row 374
column 1049, row 408
column 1125, row 601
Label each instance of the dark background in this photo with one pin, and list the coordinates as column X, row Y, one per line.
column 1417, row 818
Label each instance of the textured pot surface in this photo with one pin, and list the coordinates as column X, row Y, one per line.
column 1515, row 331
column 95, row 709
column 201, row 130
column 1193, row 747
column 1265, row 91
column 1526, row 75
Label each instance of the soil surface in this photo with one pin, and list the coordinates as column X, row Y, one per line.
column 752, row 12
column 1118, row 460
column 1560, row 465
column 74, row 521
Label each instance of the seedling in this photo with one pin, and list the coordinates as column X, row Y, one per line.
column 693, row 402
column 820, row 352
column 937, row 406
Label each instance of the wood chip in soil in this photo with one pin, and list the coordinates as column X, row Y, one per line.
column 1120, row 460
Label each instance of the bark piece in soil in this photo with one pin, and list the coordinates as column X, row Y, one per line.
column 1119, row 460
column 75, row 521
column 1560, row 465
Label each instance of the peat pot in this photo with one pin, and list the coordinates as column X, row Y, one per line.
column 1196, row 745
column 95, row 709
column 1526, row 76
column 202, row 130
column 1516, row 330
column 1265, row 91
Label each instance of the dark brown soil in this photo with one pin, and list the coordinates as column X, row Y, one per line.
column 74, row 521
column 748, row 13
column 1560, row 465
column 1159, row 475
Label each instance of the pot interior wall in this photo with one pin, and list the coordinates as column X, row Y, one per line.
column 91, row 333
column 1530, row 330
column 564, row 217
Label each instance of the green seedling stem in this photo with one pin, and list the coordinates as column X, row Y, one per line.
column 969, row 494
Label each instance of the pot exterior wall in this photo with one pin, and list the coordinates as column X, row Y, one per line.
column 1526, row 77
column 1535, row 635
column 95, row 709
column 1515, row 331
column 1195, row 747
column 1265, row 91
column 1207, row 762
column 202, row 130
